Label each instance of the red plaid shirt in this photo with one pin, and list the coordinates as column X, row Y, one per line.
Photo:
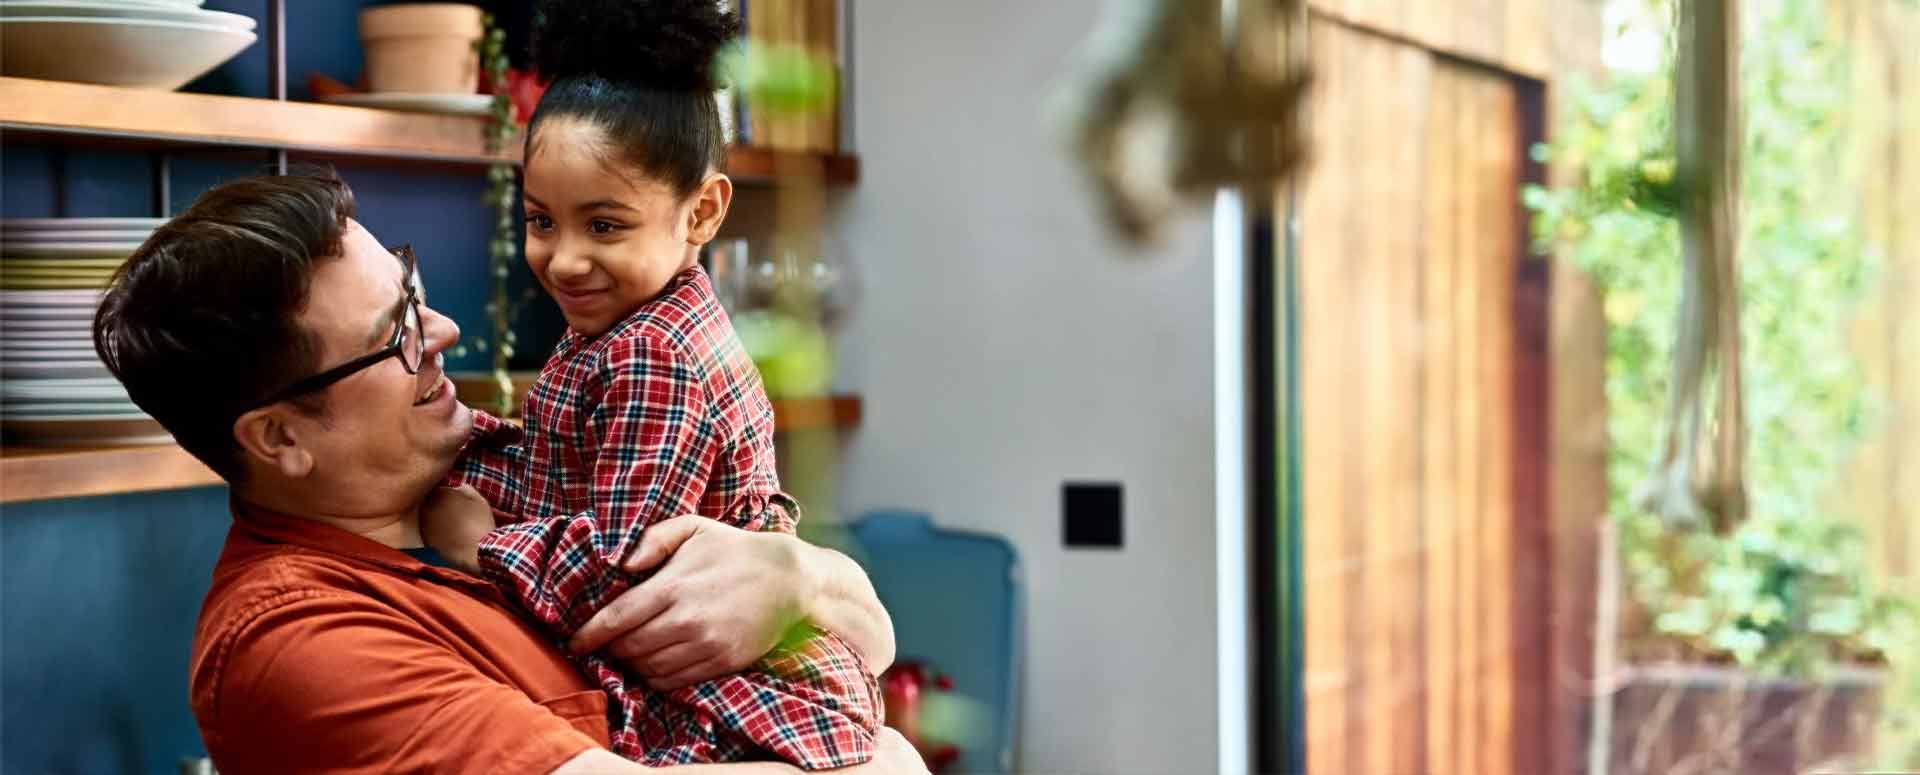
column 663, row 415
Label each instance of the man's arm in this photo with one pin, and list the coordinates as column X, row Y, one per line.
column 844, row 602
column 732, row 593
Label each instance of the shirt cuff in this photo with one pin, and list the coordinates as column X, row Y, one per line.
column 493, row 430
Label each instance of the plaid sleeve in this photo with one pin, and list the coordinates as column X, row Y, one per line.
column 493, row 462
column 811, row 703
column 656, row 447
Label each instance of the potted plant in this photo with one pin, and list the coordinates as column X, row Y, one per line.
column 422, row 48
column 1763, row 646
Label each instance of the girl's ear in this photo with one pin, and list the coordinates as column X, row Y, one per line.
column 709, row 209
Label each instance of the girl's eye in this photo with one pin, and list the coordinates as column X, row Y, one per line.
column 540, row 221
column 602, row 227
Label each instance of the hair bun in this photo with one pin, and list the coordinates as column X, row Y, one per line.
column 658, row 44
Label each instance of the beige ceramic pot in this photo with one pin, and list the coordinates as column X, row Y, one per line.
column 422, row 48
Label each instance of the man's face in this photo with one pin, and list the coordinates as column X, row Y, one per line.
column 385, row 431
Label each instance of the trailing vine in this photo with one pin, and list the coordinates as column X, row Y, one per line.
column 503, row 249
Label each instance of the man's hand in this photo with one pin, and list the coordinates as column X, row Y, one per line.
column 721, row 600
column 895, row 756
column 453, row 521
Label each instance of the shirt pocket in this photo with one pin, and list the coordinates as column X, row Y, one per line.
column 585, row 711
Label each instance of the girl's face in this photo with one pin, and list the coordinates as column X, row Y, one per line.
column 603, row 237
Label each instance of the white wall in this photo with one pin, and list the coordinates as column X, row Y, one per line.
column 1005, row 343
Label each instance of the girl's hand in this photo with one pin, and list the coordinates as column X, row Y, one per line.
column 453, row 521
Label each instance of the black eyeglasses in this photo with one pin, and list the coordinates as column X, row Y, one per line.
column 408, row 343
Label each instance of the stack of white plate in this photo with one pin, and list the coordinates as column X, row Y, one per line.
column 53, row 387
column 150, row 44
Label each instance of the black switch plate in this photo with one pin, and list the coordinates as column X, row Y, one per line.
column 1091, row 514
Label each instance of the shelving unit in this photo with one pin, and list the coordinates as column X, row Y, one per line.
column 789, row 414
column 86, row 115
column 122, row 117
column 44, row 473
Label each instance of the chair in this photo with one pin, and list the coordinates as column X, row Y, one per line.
column 957, row 606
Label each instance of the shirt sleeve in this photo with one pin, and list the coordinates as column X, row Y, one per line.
column 811, row 703
column 493, row 462
column 308, row 686
column 656, row 448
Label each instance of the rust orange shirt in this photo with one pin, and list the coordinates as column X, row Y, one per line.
column 322, row 651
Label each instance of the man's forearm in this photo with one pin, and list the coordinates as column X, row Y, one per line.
column 843, row 602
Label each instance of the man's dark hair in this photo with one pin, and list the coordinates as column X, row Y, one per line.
column 201, row 322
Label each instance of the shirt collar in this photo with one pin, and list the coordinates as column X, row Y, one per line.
column 272, row 527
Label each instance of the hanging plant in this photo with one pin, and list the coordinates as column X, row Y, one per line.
column 503, row 250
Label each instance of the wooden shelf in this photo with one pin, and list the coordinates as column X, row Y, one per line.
column 43, row 473
column 824, row 412
column 120, row 116
column 789, row 414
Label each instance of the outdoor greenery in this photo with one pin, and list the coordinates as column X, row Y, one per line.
column 1787, row 590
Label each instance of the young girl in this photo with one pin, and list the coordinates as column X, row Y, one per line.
column 648, row 408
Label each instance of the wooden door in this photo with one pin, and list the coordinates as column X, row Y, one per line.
column 1423, row 419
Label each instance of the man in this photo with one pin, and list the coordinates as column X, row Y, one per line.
column 285, row 348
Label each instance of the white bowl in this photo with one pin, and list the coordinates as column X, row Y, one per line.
column 116, row 52
column 110, row 10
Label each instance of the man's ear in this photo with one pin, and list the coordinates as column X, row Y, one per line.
column 709, row 209
column 267, row 438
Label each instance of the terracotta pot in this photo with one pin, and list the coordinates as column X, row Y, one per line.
column 1697, row 718
column 422, row 48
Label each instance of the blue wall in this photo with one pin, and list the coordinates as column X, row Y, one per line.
column 98, row 596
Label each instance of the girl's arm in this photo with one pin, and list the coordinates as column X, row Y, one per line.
column 648, row 413
column 732, row 593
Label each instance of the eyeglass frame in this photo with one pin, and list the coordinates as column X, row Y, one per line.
column 393, row 349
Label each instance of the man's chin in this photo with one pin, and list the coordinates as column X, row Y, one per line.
column 462, row 425
column 459, row 429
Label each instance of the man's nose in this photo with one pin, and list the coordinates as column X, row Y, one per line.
column 440, row 331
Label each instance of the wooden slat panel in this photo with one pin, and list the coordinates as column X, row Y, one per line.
column 1324, row 344
column 1881, row 486
column 1386, row 312
column 1441, row 460
column 1470, row 446
column 1496, row 183
column 1902, row 542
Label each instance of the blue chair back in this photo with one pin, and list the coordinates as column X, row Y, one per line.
column 956, row 603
